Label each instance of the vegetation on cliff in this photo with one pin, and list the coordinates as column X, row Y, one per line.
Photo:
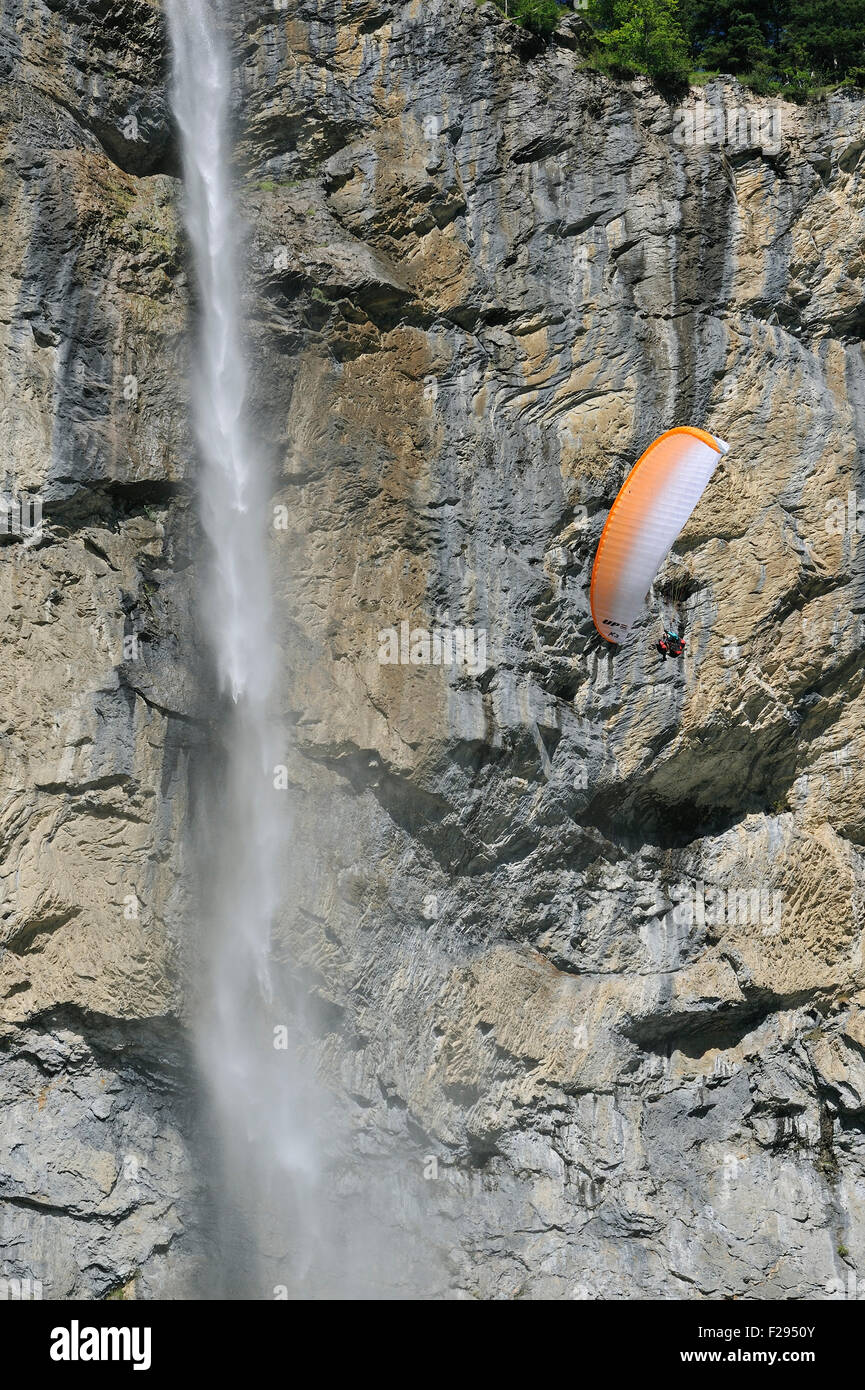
column 789, row 47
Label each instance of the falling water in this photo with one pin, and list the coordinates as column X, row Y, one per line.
column 284, row 1220
column 260, row 1100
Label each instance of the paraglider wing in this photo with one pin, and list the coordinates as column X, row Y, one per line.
column 656, row 499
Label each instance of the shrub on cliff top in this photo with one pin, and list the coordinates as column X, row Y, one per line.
column 630, row 36
column 643, row 36
column 538, row 16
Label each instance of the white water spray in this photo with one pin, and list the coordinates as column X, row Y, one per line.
column 281, row 1222
column 260, row 1099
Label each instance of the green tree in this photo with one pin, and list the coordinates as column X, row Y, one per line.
column 827, row 37
column 646, row 35
column 741, row 49
column 736, row 36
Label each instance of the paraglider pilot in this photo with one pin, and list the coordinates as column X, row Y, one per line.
column 671, row 645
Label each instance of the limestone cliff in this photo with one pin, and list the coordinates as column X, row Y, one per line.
column 585, row 929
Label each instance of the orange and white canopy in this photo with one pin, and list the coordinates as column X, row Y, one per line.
column 656, row 499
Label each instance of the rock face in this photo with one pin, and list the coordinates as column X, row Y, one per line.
column 584, row 927
column 99, row 707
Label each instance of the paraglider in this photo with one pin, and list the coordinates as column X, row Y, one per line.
column 653, row 505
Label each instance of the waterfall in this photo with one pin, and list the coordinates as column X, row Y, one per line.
column 260, row 1100
column 286, row 1222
